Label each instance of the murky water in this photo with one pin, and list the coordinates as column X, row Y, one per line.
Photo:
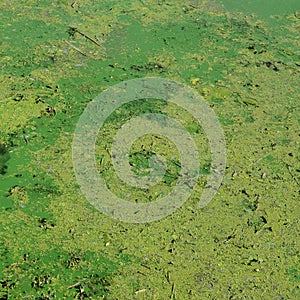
column 242, row 58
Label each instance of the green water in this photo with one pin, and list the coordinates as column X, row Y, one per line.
column 242, row 57
column 263, row 9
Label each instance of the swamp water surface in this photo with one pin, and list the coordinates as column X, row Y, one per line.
column 56, row 56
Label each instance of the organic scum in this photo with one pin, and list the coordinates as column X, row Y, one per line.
column 56, row 57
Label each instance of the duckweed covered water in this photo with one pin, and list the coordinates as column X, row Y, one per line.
column 56, row 57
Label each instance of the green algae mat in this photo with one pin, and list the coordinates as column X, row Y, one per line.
column 242, row 58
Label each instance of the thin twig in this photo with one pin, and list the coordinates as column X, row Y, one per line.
column 142, row 273
column 140, row 291
column 173, row 292
column 87, row 37
column 145, row 266
column 74, row 3
column 74, row 285
column 75, row 48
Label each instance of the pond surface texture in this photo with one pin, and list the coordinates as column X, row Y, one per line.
column 242, row 57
